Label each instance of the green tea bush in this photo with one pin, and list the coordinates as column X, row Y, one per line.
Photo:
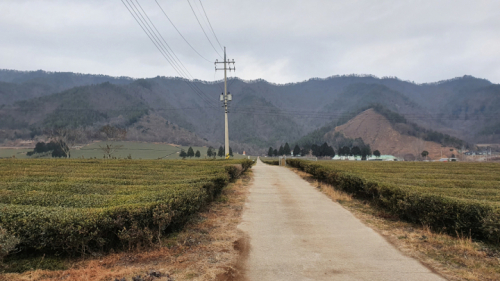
column 8, row 243
column 440, row 206
column 81, row 206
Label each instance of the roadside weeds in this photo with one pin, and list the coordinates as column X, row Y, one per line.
column 453, row 258
column 207, row 248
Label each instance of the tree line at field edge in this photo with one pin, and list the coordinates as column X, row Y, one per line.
column 324, row 150
column 211, row 152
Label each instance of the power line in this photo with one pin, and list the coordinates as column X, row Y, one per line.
column 171, row 60
column 180, row 62
column 181, row 33
column 149, row 32
column 210, row 24
column 194, row 13
column 135, row 16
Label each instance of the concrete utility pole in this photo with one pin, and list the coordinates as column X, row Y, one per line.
column 226, row 97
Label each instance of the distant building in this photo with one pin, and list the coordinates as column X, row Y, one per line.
column 244, row 153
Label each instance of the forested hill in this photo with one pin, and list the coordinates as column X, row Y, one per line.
column 262, row 114
column 21, row 85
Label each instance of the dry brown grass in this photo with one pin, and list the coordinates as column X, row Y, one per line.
column 206, row 249
column 453, row 258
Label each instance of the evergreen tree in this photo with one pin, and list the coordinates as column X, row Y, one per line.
column 315, row 150
column 210, row 151
column 281, row 151
column 197, row 154
column 286, row 149
column 376, row 153
column 366, row 151
column 356, row 151
column 424, row 154
column 230, row 152
column 323, row 150
column 331, row 152
column 190, row 152
column 304, row 151
column 221, row 152
column 346, row 151
column 270, row 152
column 183, row 154
column 296, row 150
column 275, row 152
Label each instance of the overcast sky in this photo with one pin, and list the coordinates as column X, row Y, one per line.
column 277, row 40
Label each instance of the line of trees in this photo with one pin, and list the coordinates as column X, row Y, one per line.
column 319, row 151
column 283, row 150
column 211, row 152
column 324, row 150
column 363, row 151
column 190, row 153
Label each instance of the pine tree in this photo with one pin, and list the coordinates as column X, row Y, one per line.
column 286, row 149
column 183, row 154
column 346, row 151
column 296, row 150
column 275, row 152
column 331, row 151
column 356, row 151
column 270, row 152
column 365, row 152
column 323, row 150
column 197, row 154
column 424, row 153
column 315, row 150
column 221, row 152
column 230, row 152
column 210, row 151
column 190, row 152
column 281, row 151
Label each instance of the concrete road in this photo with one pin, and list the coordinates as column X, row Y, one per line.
column 295, row 232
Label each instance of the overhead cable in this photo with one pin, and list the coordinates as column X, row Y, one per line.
column 210, row 24
column 181, row 33
column 194, row 13
column 163, row 50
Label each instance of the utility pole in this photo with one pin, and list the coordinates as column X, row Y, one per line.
column 226, row 97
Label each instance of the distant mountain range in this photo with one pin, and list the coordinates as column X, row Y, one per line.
column 262, row 114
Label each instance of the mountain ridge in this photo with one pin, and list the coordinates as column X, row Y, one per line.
column 279, row 112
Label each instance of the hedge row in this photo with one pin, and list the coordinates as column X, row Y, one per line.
column 73, row 231
column 441, row 213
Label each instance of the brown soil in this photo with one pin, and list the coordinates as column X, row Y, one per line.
column 210, row 247
column 377, row 131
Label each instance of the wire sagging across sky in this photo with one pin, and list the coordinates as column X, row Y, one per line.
column 154, row 35
column 204, row 32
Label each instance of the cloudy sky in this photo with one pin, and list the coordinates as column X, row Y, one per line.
column 277, row 40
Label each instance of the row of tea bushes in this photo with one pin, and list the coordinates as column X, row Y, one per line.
column 479, row 218
column 80, row 206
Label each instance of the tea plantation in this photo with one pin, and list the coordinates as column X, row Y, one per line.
column 457, row 198
column 77, row 206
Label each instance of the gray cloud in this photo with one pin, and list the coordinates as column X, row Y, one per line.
column 281, row 41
